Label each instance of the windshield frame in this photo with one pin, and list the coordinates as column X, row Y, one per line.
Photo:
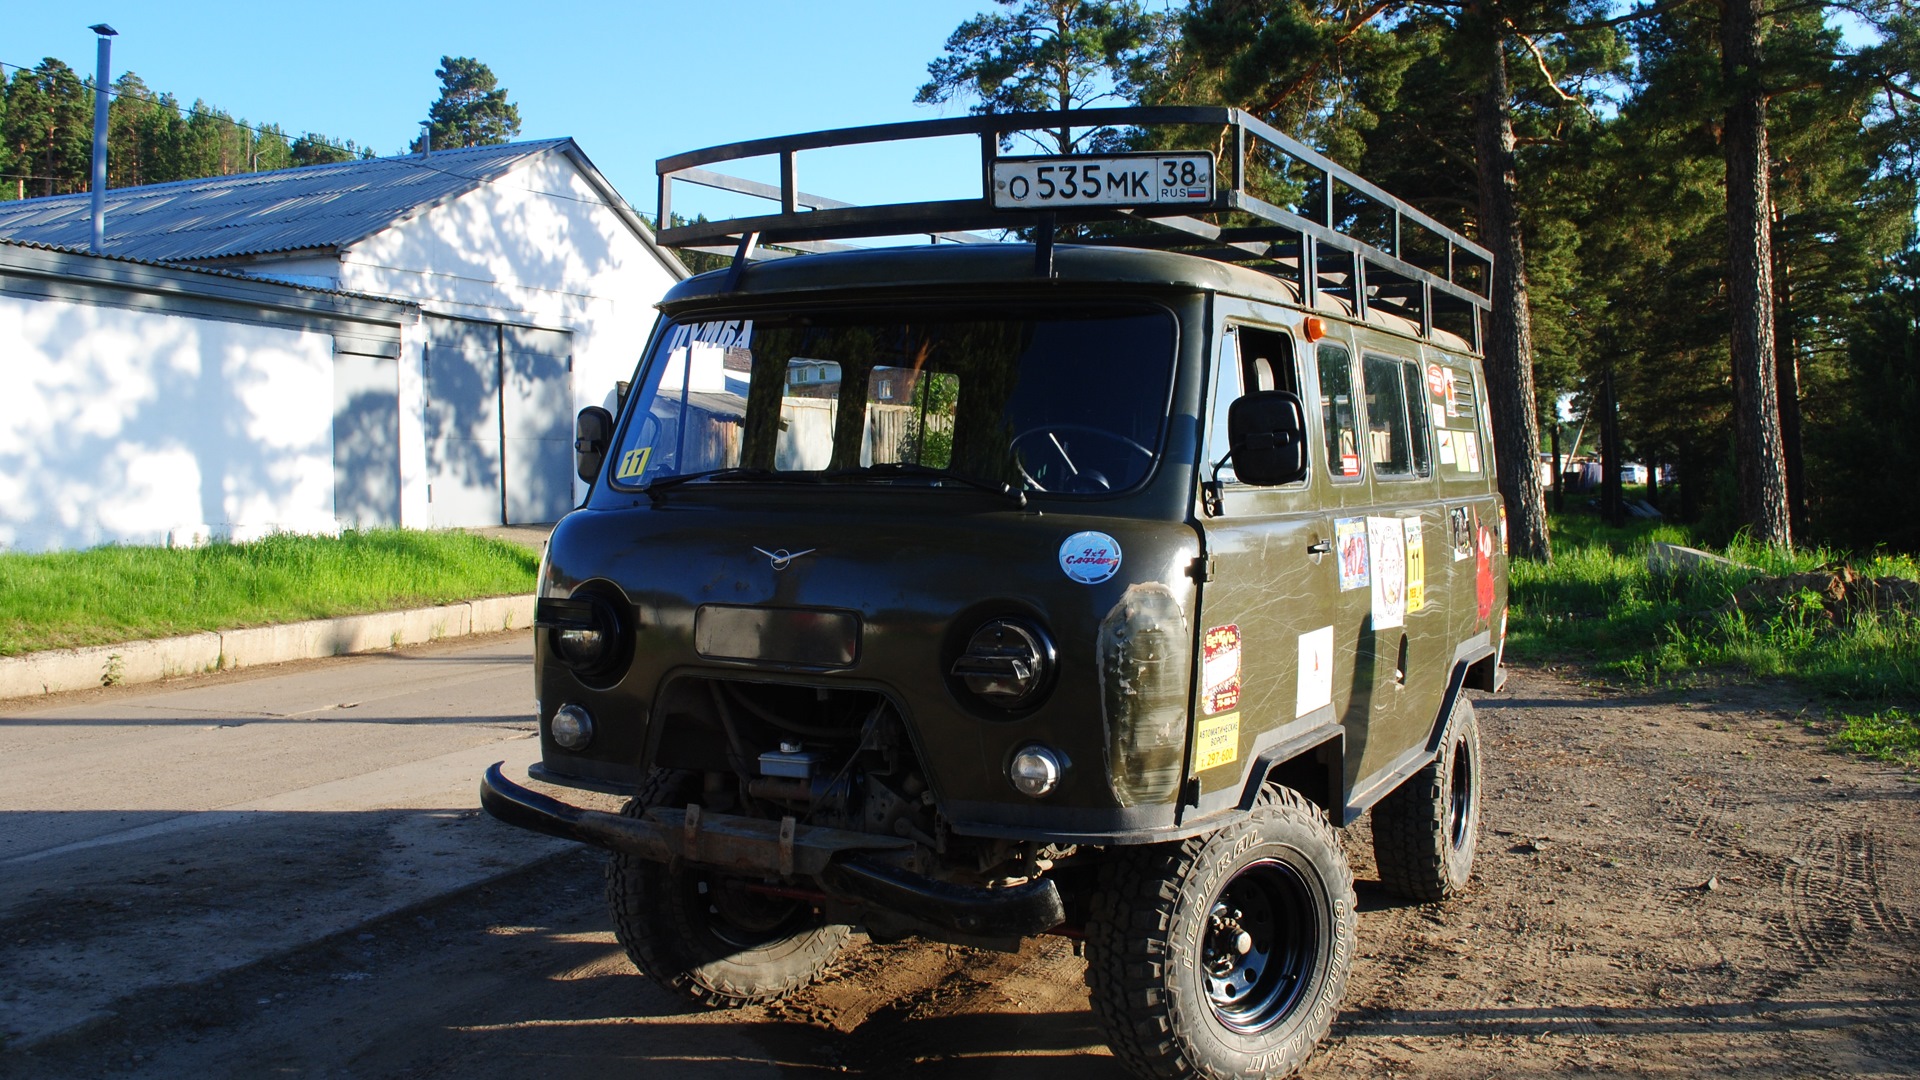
column 902, row 311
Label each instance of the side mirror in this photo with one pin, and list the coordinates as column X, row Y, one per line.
column 592, row 431
column 1267, row 430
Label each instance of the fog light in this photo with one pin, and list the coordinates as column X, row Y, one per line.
column 572, row 728
column 1035, row 771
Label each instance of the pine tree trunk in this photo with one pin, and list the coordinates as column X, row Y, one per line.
column 1759, row 452
column 1509, row 335
column 1787, row 376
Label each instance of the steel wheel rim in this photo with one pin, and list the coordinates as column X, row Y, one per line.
column 1460, row 796
column 1261, row 944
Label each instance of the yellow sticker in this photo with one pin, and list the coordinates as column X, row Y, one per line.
column 1216, row 741
column 633, row 463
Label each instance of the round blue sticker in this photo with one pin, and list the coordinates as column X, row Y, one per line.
column 1090, row 557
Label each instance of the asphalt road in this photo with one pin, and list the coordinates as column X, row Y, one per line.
column 158, row 837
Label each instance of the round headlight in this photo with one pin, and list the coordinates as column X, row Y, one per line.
column 583, row 631
column 1006, row 663
column 1034, row 771
column 572, row 727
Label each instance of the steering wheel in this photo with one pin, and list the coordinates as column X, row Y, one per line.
column 1078, row 479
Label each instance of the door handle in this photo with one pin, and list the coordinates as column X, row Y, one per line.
column 1319, row 547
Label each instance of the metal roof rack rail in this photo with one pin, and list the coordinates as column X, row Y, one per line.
column 1343, row 237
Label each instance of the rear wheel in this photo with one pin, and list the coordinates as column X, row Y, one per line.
column 1426, row 832
column 708, row 935
column 1224, row 955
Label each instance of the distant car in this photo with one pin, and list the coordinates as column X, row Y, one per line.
column 985, row 590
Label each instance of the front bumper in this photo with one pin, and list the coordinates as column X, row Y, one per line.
column 840, row 861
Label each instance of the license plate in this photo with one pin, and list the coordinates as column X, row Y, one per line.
column 1046, row 183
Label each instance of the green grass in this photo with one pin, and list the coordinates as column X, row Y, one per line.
column 1892, row 735
column 1598, row 601
column 113, row 594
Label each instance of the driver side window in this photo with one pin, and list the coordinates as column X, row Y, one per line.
column 1250, row 359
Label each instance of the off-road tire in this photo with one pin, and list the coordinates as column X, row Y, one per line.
column 1154, row 930
column 1426, row 832
column 679, row 939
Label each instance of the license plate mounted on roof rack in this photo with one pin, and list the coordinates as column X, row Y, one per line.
column 1066, row 182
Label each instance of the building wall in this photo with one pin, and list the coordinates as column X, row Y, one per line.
column 131, row 426
column 538, row 248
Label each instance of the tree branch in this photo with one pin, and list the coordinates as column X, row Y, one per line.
column 1540, row 58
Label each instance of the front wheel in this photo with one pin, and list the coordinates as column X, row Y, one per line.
column 1227, row 954
column 707, row 935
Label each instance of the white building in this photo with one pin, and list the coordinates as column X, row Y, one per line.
column 432, row 325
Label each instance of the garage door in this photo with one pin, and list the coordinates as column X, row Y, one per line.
column 498, row 420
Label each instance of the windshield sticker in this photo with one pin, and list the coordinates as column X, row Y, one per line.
column 1387, row 545
column 1220, row 669
column 1350, row 539
column 1416, row 565
column 1315, row 689
column 1446, row 447
column 633, row 463
column 737, row 334
column 1090, row 557
column 1216, row 742
column 1462, row 524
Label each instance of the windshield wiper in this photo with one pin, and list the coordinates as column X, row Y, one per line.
column 891, row 469
column 657, row 488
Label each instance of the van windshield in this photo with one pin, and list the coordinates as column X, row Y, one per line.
column 1045, row 400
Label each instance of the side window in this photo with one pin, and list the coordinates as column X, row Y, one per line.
column 1226, row 387
column 1388, row 445
column 1336, row 412
column 1457, row 416
column 1417, row 418
column 1250, row 360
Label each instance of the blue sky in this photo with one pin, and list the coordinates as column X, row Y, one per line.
column 632, row 82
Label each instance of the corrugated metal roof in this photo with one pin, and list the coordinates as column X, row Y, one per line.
column 319, row 206
column 213, row 271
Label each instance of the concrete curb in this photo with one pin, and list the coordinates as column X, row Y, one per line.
column 132, row 662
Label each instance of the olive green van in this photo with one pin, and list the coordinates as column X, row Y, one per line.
column 1083, row 583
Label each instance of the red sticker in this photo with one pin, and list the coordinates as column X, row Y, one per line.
column 1220, row 669
column 1437, row 380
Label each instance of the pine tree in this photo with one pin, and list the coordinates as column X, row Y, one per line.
column 472, row 110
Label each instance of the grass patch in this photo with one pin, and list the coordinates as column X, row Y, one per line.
column 1599, row 601
column 1892, row 735
column 110, row 594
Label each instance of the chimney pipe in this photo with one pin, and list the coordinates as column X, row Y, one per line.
column 100, row 84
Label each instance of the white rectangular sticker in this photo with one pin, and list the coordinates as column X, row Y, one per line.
column 1387, row 546
column 1316, row 672
column 1046, row 183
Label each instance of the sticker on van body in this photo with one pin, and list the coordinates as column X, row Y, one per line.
column 1220, row 669
column 1416, row 565
column 1315, row 688
column 1387, row 545
column 1350, row 543
column 1216, row 742
column 1090, row 557
column 1461, row 521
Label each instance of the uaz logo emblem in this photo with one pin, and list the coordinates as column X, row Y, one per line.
column 782, row 558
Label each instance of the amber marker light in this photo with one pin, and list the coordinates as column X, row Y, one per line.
column 1314, row 327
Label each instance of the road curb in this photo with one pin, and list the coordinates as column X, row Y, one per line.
column 130, row 662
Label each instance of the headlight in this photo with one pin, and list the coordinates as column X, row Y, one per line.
column 1006, row 663
column 1034, row 771
column 584, row 631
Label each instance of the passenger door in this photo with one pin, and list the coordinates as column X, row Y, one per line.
column 1265, row 636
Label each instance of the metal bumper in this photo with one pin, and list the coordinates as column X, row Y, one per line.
column 836, row 858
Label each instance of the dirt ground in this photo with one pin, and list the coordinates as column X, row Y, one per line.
column 1669, row 884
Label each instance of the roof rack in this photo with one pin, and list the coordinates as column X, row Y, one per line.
column 1344, row 237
